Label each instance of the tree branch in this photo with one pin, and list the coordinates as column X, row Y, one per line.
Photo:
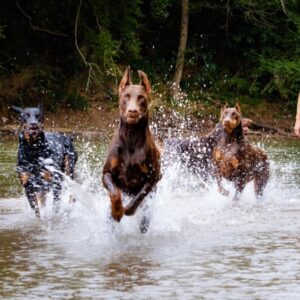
column 37, row 28
column 283, row 7
column 228, row 12
column 91, row 66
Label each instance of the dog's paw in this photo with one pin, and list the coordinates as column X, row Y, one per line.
column 117, row 214
column 117, row 210
column 144, row 224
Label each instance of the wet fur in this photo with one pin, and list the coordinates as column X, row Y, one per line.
column 235, row 158
column 133, row 162
column 224, row 153
column 35, row 147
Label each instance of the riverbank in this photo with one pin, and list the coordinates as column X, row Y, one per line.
column 185, row 118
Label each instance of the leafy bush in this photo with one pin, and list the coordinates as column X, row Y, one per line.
column 76, row 101
column 108, row 50
column 279, row 78
column 47, row 88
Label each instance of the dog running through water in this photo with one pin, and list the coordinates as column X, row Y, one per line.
column 133, row 162
column 42, row 158
column 223, row 153
column 235, row 158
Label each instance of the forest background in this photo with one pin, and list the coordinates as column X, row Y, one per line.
column 71, row 54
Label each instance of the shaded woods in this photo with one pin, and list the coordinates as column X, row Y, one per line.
column 52, row 51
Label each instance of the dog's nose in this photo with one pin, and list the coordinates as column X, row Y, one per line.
column 33, row 125
column 133, row 111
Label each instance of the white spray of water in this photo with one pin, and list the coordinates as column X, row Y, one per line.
column 181, row 208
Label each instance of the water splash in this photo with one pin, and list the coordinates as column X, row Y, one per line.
column 196, row 239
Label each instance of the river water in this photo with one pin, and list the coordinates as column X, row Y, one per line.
column 198, row 245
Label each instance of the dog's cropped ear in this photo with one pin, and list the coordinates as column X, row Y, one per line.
column 40, row 107
column 237, row 107
column 126, row 80
column 144, row 81
column 225, row 106
column 16, row 109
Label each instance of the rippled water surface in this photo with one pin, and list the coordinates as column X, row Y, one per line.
column 198, row 246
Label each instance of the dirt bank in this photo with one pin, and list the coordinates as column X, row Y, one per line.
column 101, row 119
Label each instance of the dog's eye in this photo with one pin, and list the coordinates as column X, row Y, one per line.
column 142, row 100
column 125, row 98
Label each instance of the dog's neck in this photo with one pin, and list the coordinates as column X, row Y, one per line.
column 37, row 142
column 220, row 133
column 134, row 135
column 237, row 134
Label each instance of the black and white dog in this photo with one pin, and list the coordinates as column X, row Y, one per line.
column 43, row 157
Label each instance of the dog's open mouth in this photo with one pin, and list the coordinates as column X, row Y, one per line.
column 32, row 131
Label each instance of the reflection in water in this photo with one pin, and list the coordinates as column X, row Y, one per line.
column 198, row 245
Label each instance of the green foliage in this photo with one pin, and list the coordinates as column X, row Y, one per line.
column 238, row 85
column 47, row 88
column 106, row 52
column 159, row 8
column 76, row 101
column 280, row 78
column 247, row 48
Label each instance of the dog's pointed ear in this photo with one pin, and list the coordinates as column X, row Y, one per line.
column 126, row 80
column 144, row 81
column 237, row 107
column 40, row 107
column 16, row 109
column 225, row 106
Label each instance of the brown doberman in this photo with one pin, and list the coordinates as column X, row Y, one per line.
column 133, row 162
column 235, row 158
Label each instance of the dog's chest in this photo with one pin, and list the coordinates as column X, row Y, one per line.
column 226, row 157
column 35, row 152
column 133, row 170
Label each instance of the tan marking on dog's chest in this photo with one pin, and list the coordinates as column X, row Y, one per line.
column 143, row 168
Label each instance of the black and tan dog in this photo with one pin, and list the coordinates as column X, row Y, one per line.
column 235, row 158
column 133, row 163
column 42, row 158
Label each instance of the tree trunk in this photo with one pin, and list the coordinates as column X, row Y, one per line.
column 175, row 86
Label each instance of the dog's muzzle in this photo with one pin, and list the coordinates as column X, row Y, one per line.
column 33, row 129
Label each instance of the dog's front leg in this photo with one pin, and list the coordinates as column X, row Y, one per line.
column 221, row 189
column 131, row 207
column 239, row 186
column 218, row 177
column 117, row 209
column 31, row 194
